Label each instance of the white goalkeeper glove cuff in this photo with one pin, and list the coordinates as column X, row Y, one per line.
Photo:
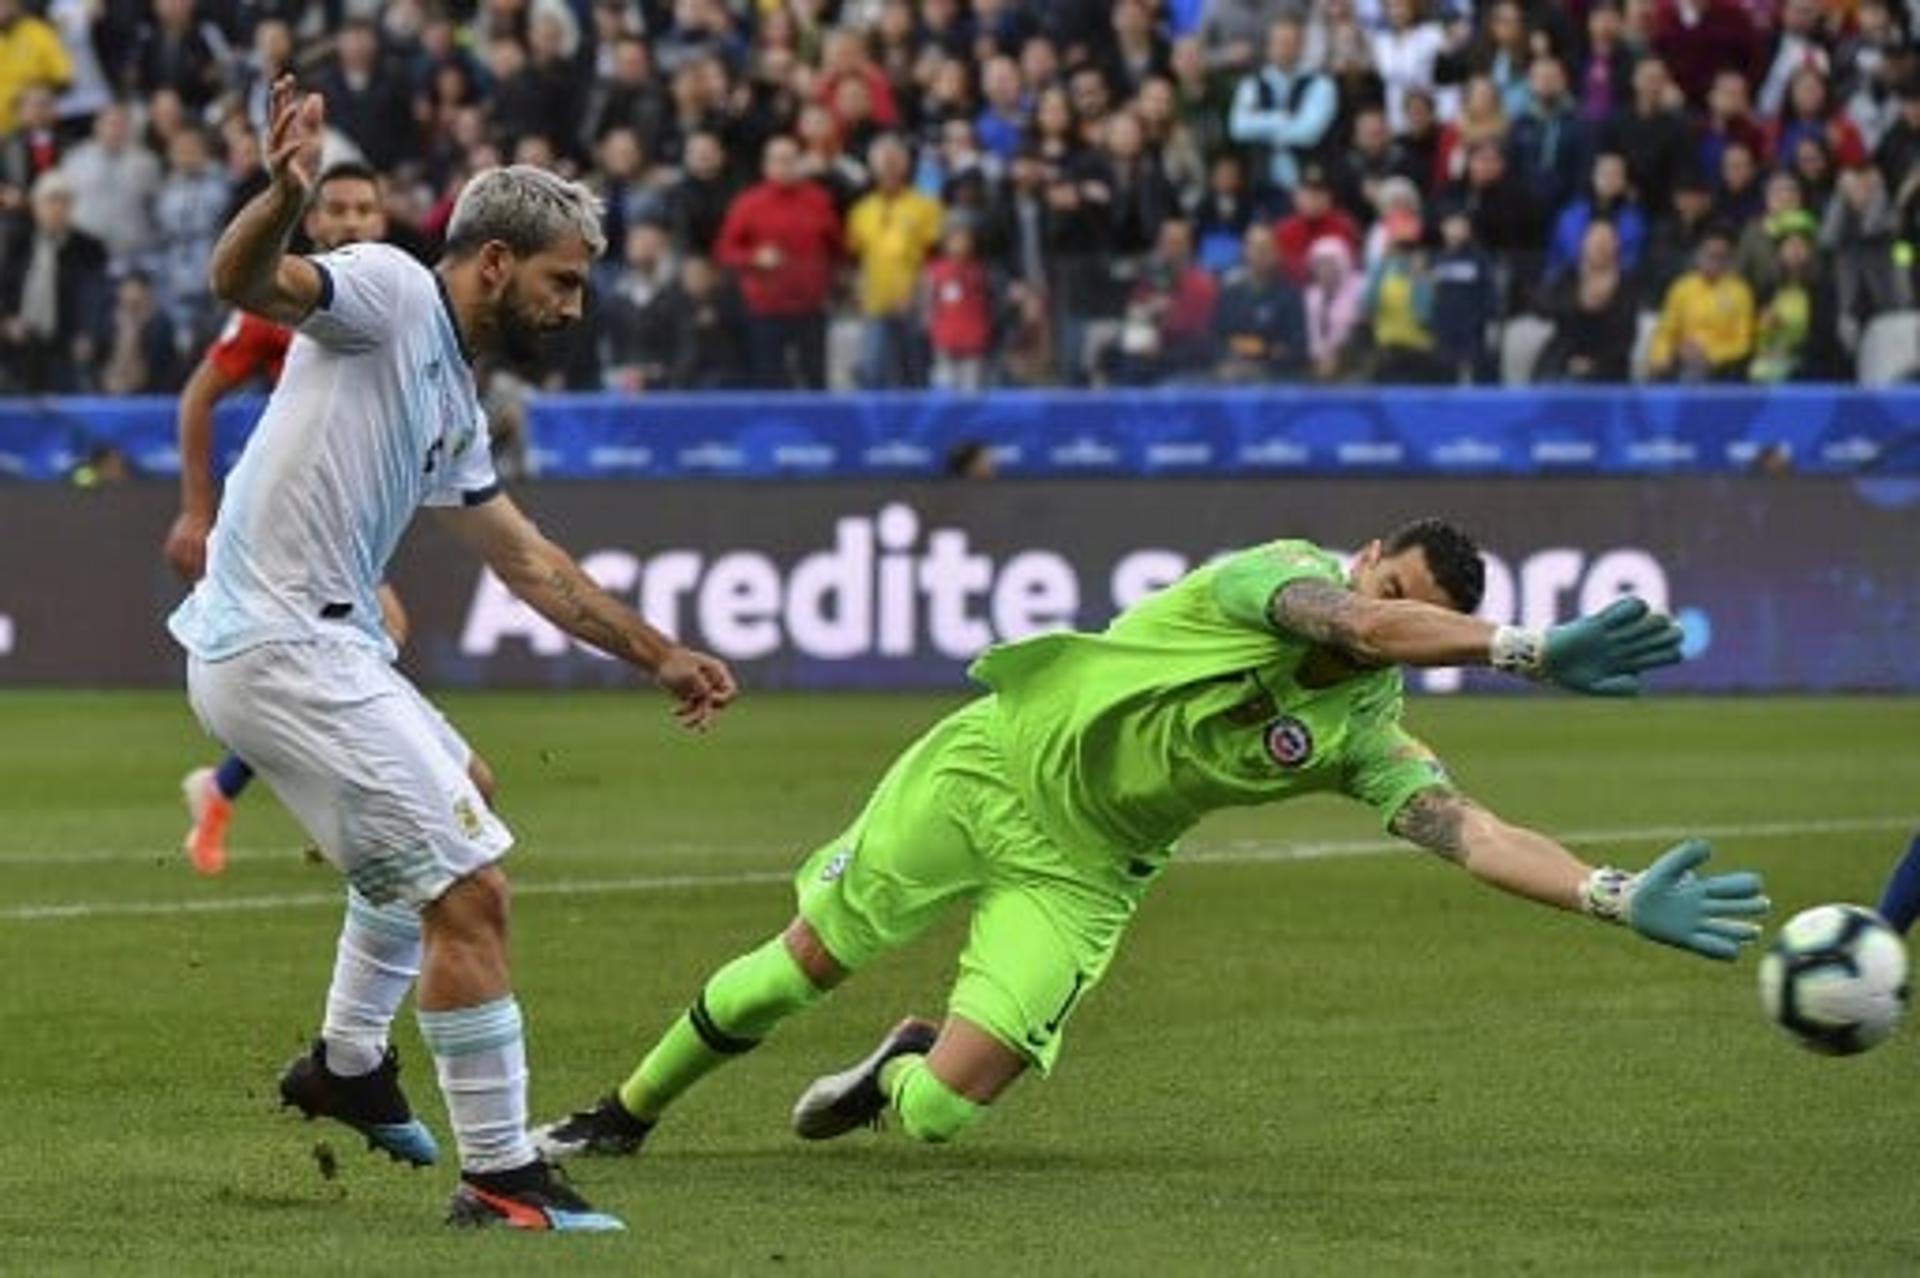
column 1518, row 650
column 1607, row 894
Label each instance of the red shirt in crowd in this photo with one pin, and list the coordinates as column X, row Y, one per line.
column 250, row 346
column 800, row 222
column 959, row 307
column 1294, row 235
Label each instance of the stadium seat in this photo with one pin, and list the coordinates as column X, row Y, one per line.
column 1890, row 349
column 1522, row 339
column 1643, row 344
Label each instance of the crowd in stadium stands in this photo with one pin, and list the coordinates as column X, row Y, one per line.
column 1018, row 192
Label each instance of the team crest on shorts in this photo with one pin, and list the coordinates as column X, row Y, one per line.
column 467, row 818
column 836, row 865
column 1289, row 741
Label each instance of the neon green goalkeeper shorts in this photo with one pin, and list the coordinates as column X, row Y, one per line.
column 945, row 824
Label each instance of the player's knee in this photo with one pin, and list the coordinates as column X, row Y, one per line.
column 482, row 777
column 811, row 955
column 929, row 1110
column 474, row 910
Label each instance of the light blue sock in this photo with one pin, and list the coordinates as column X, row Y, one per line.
column 481, row 1056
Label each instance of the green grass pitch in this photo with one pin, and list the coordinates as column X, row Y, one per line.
column 1314, row 1055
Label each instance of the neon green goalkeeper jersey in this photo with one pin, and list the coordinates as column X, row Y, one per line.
column 1190, row 702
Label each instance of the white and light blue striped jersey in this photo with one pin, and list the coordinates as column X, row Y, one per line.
column 375, row 415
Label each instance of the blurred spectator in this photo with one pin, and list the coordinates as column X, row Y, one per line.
column 1394, row 195
column 629, row 97
column 709, row 321
column 621, row 184
column 1222, row 215
column 1506, row 221
column 636, row 315
column 35, row 146
column 188, row 211
column 1871, row 65
column 1796, row 337
column 1399, row 304
column 143, row 353
column 1653, row 135
column 1608, row 199
column 1729, row 121
column 1500, row 54
column 1466, row 302
column 1481, row 119
column 1284, row 113
column 1168, row 333
column 1405, row 52
column 31, row 56
column 252, row 74
column 1135, row 51
column 1548, row 145
column 1416, row 151
column 697, row 203
column 846, row 59
column 1202, row 96
column 1738, row 198
column 174, row 51
column 1705, row 331
column 890, row 233
column 1813, row 166
column 1757, row 258
column 1605, row 73
column 827, row 161
column 1898, row 154
column 1675, row 241
column 1260, row 324
column 1168, row 137
column 115, row 182
column 1231, row 31
column 1797, row 48
column 87, row 90
column 1699, row 38
column 783, row 237
column 1810, row 113
column 1314, row 217
column 959, row 311
column 367, row 98
column 1369, row 160
column 1002, row 121
column 1595, row 313
column 1335, row 300
column 53, row 282
column 1858, row 234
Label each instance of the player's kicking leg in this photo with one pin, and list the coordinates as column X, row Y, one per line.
column 1900, row 902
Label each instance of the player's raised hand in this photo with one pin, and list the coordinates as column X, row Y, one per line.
column 701, row 684
column 1709, row 916
column 1605, row 653
column 295, row 123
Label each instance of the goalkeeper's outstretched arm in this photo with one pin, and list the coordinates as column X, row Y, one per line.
column 1666, row 902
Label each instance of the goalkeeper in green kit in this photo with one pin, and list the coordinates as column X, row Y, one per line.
column 1052, row 804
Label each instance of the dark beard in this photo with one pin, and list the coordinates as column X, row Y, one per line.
column 522, row 343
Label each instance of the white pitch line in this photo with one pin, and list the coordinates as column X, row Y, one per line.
column 1240, row 852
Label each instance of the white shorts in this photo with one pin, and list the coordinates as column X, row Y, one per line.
column 375, row 774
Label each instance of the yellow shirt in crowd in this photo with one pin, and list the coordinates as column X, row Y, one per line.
column 1715, row 315
column 891, row 235
column 30, row 54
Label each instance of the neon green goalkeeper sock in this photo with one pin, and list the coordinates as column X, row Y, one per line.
column 739, row 1006
column 929, row 1110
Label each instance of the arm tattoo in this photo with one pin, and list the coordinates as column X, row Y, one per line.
column 581, row 610
column 1319, row 611
column 1433, row 819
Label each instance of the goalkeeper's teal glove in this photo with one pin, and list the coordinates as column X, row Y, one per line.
column 1668, row 903
column 1602, row 654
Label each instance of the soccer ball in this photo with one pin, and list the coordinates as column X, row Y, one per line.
column 1836, row 979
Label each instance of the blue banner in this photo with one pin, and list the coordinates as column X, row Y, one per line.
column 1282, row 430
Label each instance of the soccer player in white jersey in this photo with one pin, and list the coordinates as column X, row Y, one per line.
column 376, row 415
